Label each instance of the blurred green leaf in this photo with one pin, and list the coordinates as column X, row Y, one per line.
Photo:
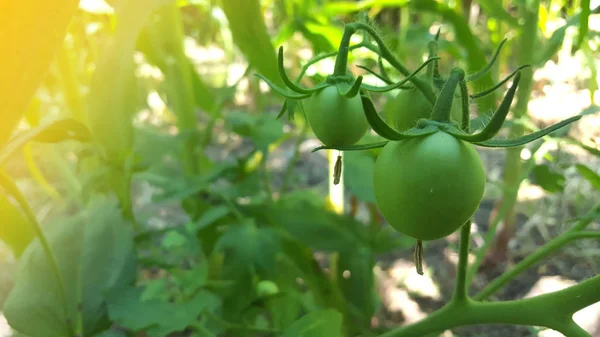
column 95, row 253
column 285, row 309
column 388, row 239
column 584, row 17
column 548, row 179
column 32, row 32
column 589, row 175
column 209, row 217
column 358, row 165
column 322, row 323
column 345, row 7
column 266, row 131
column 306, row 218
column 57, row 131
column 260, row 245
column 550, row 47
column 112, row 333
column 250, row 34
column 494, row 9
column 113, row 99
column 357, row 281
column 158, row 318
column 15, row 229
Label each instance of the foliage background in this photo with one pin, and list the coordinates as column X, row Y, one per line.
column 218, row 194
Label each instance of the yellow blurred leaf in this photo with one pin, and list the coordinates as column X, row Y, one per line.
column 15, row 229
column 30, row 33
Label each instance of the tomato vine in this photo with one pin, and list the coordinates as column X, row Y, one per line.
column 429, row 180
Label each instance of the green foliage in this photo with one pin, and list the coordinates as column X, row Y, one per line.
column 317, row 324
column 16, row 230
column 158, row 317
column 250, row 34
column 179, row 221
column 94, row 252
column 32, row 33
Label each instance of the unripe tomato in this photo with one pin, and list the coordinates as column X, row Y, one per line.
column 410, row 105
column 428, row 187
column 336, row 120
column 266, row 288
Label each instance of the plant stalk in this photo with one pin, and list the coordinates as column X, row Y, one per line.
column 513, row 163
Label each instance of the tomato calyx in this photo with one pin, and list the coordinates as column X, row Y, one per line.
column 440, row 115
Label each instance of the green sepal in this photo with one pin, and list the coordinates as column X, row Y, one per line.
column 282, row 91
column 492, row 89
column 386, row 131
column 289, row 106
column 293, row 86
column 355, row 147
column 466, row 118
column 382, row 69
column 488, row 66
column 528, row 138
column 354, row 90
column 443, row 104
column 495, row 124
column 398, row 84
column 283, row 109
column 370, row 71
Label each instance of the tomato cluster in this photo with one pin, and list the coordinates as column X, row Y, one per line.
column 428, row 179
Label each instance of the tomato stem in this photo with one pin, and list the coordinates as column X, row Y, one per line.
column 461, row 288
column 341, row 62
column 443, row 105
column 385, row 53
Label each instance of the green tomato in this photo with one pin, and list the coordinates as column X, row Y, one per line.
column 410, row 105
column 428, row 187
column 336, row 120
column 266, row 288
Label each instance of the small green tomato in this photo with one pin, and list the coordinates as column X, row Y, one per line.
column 428, row 187
column 336, row 120
column 410, row 105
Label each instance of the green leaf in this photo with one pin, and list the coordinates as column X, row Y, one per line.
column 32, row 32
column 15, row 228
column 250, row 34
column 158, row 318
column 57, row 131
column 548, row 179
column 357, row 166
column 112, row 99
column 94, row 252
column 260, row 245
column 589, row 175
column 112, row 333
column 209, row 217
column 322, row 323
column 494, row 9
column 306, row 218
column 266, row 131
column 357, row 281
column 584, row 18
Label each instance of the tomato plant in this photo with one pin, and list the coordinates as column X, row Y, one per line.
column 428, row 187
